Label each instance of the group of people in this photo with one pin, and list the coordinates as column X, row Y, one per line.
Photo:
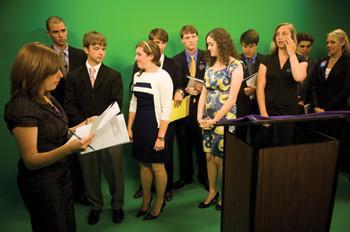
column 56, row 89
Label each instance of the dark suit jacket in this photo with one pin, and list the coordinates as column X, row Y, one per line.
column 180, row 59
column 331, row 93
column 182, row 81
column 246, row 106
column 77, row 57
column 83, row 101
column 170, row 66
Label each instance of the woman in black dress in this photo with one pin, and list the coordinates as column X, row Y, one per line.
column 278, row 76
column 150, row 107
column 39, row 125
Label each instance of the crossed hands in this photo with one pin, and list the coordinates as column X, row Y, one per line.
column 206, row 123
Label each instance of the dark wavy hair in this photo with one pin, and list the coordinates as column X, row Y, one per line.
column 226, row 47
column 33, row 64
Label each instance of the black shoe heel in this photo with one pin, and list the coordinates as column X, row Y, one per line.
column 141, row 212
column 152, row 217
column 202, row 205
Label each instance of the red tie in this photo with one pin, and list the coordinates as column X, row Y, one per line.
column 92, row 76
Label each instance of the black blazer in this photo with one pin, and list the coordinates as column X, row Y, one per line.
column 245, row 106
column 170, row 66
column 181, row 61
column 77, row 57
column 83, row 101
column 182, row 80
column 331, row 93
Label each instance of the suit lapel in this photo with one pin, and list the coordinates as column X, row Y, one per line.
column 336, row 68
column 101, row 76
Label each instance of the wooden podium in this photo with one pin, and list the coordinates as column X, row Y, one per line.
column 285, row 188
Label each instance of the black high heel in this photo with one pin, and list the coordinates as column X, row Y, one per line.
column 202, row 205
column 149, row 216
column 141, row 212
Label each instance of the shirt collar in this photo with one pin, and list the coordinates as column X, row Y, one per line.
column 250, row 60
column 188, row 56
column 96, row 67
column 59, row 50
column 161, row 60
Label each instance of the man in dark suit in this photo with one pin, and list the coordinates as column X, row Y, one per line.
column 250, row 59
column 160, row 36
column 71, row 59
column 192, row 63
column 304, row 46
column 90, row 89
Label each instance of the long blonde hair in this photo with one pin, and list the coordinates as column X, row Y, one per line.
column 273, row 46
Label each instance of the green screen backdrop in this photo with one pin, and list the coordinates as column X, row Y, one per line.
column 126, row 22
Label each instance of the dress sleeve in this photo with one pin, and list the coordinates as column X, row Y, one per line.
column 21, row 112
column 133, row 100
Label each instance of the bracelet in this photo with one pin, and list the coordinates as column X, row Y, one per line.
column 86, row 122
column 161, row 138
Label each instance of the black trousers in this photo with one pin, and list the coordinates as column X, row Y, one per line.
column 49, row 202
column 189, row 137
column 169, row 149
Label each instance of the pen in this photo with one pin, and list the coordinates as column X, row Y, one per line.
column 73, row 133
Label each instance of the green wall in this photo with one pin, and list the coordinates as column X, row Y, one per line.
column 126, row 22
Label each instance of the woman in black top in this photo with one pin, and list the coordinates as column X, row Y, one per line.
column 278, row 76
column 39, row 125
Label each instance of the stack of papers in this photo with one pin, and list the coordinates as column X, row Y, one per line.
column 109, row 130
column 251, row 80
column 193, row 81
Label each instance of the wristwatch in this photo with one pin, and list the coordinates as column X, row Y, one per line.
column 161, row 138
column 181, row 92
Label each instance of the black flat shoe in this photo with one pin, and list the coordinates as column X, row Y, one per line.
column 181, row 183
column 152, row 217
column 118, row 215
column 202, row 205
column 168, row 196
column 94, row 217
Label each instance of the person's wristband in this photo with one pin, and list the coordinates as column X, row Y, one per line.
column 86, row 121
column 161, row 138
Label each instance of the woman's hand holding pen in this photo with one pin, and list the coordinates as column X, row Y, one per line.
column 76, row 145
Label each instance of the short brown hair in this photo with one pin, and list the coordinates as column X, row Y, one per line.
column 158, row 33
column 250, row 36
column 304, row 36
column 93, row 38
column 188, row 29
column 150, row 48
column 53, row 19
column 226, row 47
column 33, row 64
